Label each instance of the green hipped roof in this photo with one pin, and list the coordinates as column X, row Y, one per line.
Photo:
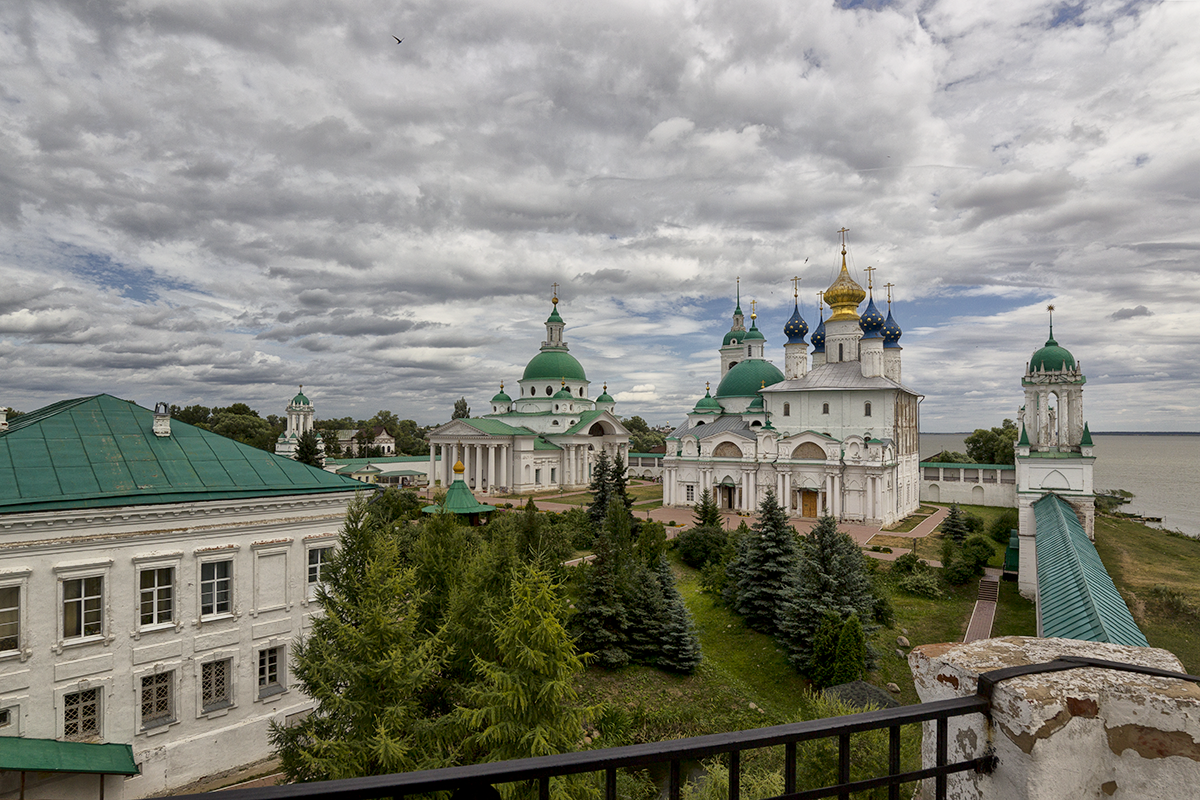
column 48, row 755
column 1024, row 440
column 1086, row 441
column 100, row 451
column 1076, row 597
column 747, row 377
column 459, row 500
column 553, row 365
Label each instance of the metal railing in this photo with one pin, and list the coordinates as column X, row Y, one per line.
column 729, row 745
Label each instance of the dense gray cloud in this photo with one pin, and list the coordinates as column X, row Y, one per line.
column 208, row 202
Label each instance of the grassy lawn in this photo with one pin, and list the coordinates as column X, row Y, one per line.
column 1015, row 616
column 1158, row 574
column 908, row 523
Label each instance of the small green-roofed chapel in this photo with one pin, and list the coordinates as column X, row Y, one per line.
column 101, row 451
column 459, row 500
column 547, row 436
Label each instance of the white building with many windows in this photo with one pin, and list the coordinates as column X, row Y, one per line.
column 153, row 577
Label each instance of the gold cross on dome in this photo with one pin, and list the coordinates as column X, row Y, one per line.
column 869, row 270
column 796, row 286
column 843, row 232
column 555, row 285
column 821, row 300
column 889, row 286
column 753, row 313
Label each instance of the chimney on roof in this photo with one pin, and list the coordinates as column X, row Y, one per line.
column 162, row 420
column 3, row 418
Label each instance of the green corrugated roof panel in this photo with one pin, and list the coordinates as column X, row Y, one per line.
column 101, row 451
column 495, row 427
column 1076, row 596
column 49, row 755
column 585, row 421
column 542, row 444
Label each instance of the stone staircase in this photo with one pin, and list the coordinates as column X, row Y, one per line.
column 989, row 589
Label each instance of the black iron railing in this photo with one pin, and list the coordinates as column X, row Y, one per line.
column 675, row 752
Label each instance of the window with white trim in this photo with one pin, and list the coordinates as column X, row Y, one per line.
column 83, row 607
column 10, row 618
column 156, row 588
column 270, row 671
column 216, row 588
column 215, row 685
column 8, row 719
column 318, row 561
column 867, row 409
column 81, row 715
column 691, row 493
column 158, row 699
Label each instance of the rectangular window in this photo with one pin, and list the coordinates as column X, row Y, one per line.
column 269, row 682
column 83, row 607
column 6, row 717
column 81, row 715
column 214, row 685
column 157, row 588
column 537, row 476
column 318, row 558
column 10, row 618
column 553, row 475
column 216, row 588
column 157, row 708
column 691, row 493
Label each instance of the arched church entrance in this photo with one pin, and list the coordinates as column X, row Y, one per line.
column 727, row 492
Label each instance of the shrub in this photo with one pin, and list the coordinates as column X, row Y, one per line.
column 1006, row 521
column 906, row 563
column 923, row 583
column 701, row 546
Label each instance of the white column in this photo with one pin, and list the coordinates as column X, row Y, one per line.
column 504, row 454
column 477, row 455
column 432, row 463
column 787, row 493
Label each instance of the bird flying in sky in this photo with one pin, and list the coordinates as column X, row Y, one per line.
column 397, row 38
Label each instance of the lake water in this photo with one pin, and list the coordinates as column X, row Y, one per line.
column 1162, row 471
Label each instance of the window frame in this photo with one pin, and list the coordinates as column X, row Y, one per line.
column 225, row 556
column 690, row 493
column 220, row 709
column 82, row 571
column 787, row 409
column 18, row 579
column 317, row 546
column 164, row 676
column 867, row 408
column 83, row 687
column 825, row 408
column 157, row 623
column 280, row 685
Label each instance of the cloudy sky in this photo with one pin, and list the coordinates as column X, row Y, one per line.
column 211, row 202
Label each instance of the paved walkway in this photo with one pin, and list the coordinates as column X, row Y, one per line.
column 984, row 613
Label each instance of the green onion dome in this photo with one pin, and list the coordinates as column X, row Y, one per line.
column 502, row 396
column 554, row 364
column 707, row 404
column 1051, row 358
column 300, row 399
column 605, row 397
column 747, row 377
column 733, row 337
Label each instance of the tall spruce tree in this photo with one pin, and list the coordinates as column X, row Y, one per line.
column 851, row 660
column 524, row 704
column 308, row 450
column 831, row 578
column 705, row 513
column 954, row 526
column 601, row 622
column 768, row 568
column 823, row 661
column 679, row 644
column 601, row 488
column 368, row 667
column 618, row 479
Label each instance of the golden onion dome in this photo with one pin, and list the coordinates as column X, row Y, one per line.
column 844, row 295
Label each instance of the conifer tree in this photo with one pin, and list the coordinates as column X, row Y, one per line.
column 733, row 563
column 831, row 577
column 679, row 647
column 367, row 666
column 851, row 660
column 307, row 449
column 645, row 610
column 524, row 704
column 618, row 480
column 824, row 650
column 768, row 570
column 706, row 513
column 601, row 622
column 954, row 526
column 600, row 487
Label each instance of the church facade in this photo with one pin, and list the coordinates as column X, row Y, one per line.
column 546, row 438
column 834, row 433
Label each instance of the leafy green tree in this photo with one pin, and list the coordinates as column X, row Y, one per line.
column 239, row 409
column 994, row 446
column 540, row 541
column 524, row 704
column 700, row 546
column 394, row 505
column 245, row 428
column 949, row 457
column 333, row 445
column 635, row 424
column 831, row 578
column 679, row 643
column 954, row 526
column 706, row 513
column 367, row 666
column 851, row 659
column 191, row 415
column 1004, row 522
column 461, row 409
column 308, row 450
column 411, row 438
column 768, row 569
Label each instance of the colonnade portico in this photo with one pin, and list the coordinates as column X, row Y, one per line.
column 494, row 466
column 486, row 464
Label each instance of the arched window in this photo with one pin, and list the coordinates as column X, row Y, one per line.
column 841, row 353
column 549, row 391
column 867, row 409
column 825, row 408
column 756, row 424
column 555, row 422
column 810, row 451
column 727, row 450
column 581, row 391
column 556, row 406
column 787, row 409
column 732, row 364
column 749, row 352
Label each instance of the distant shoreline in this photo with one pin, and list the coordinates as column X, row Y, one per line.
column 1094, row 433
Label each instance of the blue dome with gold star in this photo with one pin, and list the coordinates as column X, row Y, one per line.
column 796, row 328
column 871, row 321
column 891, row 332
column 818, row 338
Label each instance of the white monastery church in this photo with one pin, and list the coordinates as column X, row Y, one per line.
column 835, row 437
column 547, row 438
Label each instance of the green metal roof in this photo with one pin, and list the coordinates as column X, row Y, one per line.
column 733, row 337
column 967, row 464
column 459, row 500
column 100, row 451
column 553, row 365
column 543, row 444
column 1076, row 597
column 358, row 462
column 585, row 421
column 49, row 755
column 494, row 427
column 1051, row 358
column 747, row 377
